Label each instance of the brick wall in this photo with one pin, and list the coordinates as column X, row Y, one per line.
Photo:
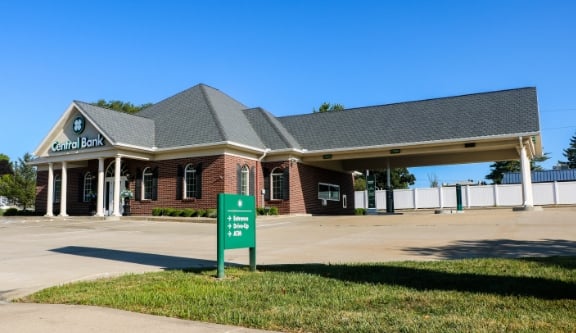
column 219, row 174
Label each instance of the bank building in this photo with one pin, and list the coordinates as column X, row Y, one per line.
column 184, row 150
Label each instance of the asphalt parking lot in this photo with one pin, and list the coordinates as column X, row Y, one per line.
column 36, row 253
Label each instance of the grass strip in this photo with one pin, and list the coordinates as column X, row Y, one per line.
column 471, row 295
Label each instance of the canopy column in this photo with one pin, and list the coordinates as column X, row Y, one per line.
column 527, row 193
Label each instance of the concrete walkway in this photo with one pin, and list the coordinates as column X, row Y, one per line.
column 36, row 253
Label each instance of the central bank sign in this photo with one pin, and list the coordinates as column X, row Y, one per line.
column 82, row 142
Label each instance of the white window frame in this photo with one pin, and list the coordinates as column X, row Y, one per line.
column 245, row 180
column 329, row 192
column 147, row 177
column 190, row 174
column 276, row 178
column 87, row 186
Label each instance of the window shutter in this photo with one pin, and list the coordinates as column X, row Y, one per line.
column 155, row 184
column 238, row 178
column 179, row 182
column 138, row 185
column 286, row 184
column 199, row 181
column 251, row 179
column 266, row 173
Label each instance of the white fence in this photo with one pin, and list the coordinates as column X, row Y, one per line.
column 557, row 193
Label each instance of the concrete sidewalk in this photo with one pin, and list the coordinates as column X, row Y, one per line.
column 36, row 253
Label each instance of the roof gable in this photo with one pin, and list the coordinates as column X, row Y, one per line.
column 120, row 128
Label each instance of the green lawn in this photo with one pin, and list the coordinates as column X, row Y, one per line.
column 475, row 295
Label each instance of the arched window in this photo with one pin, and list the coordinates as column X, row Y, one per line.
column 190, row 182
column 147, row 184
column 277, row 184
column 244, row 180
column 89, row 194
column 57, row 188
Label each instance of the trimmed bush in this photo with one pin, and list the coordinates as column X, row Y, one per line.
column 201, row 212
column 187, row 212
column 212, row 213
column 273, row 211
column 11, row 212
column 359, row 211
column 157, row 211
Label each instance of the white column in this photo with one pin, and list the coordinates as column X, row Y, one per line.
column 415, row 198
column 50, row 200
column 527, row 194
column 100, row 189
column 63, row 190
column 117, row 169
column 468, row 198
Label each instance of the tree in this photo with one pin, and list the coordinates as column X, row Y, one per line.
column 5, row 166
column 20, row 186
column 498, row 169
column 433, row 179
column 327, row 107
column 400, row 178
column 120, row 106
column 570, row 154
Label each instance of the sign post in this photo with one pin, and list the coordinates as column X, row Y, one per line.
column 236, row 227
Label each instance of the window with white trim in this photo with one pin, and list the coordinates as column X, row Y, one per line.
column 276, row 184
column 328, row 192
column 147, row 184
column 244, row 180
column 88, row 191
column 190, row 182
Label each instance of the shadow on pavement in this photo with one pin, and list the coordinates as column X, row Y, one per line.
column 150, row 259
column 498, row 248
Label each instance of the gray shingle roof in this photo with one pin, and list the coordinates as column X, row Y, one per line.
column 270, row 130
column 121, row 128
column 200, row 115
column 469, row 116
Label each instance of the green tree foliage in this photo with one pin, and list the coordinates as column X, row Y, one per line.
column 400, row 178
column 20, row 186
column 498, row 169
column 327, row 107
column 120, row 106
column 5, row 166
column 570, row 154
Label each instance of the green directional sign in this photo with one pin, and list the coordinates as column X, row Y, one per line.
column 236, row 226
column 371, row 189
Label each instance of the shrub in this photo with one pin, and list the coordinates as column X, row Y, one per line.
column 201, row 212
column 187, row 212
column 212, row 213
column 157, row 211
column 273, row 211
column 359, row 211
column 11, row 212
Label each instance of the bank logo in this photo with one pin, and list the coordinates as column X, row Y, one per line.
column 78, row 125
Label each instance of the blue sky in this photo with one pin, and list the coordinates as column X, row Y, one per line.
column 285, row 56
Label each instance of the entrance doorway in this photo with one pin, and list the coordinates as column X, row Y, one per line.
column 108, row 201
